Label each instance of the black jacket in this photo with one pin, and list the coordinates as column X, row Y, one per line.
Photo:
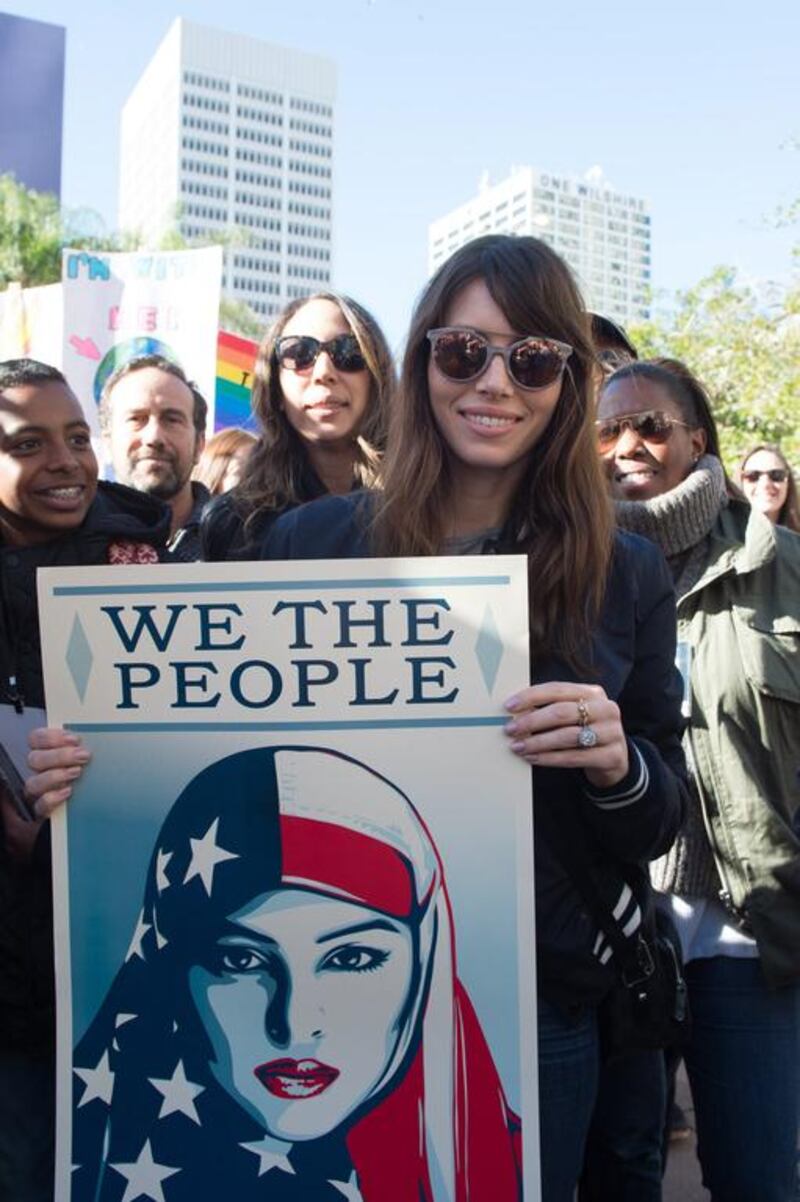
column 184, row 547
column 632, row 655
column 117, row 515
column 223, row 536
column 223, row 533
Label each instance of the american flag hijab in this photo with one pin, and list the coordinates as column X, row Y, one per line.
column 155, row 1115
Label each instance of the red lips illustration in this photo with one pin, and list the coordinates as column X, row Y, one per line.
column 295, row 1078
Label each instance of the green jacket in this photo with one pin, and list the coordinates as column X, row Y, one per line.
column 742, row 622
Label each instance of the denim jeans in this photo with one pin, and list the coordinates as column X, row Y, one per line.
column 743, row 1062
column 27, row 1125
column 623, row 1154
column 568, row 1063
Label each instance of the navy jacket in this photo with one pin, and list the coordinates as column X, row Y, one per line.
column 632, row 655
column 117, row 515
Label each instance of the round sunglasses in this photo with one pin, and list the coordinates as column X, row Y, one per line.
column 776, row 474
column 299, row 352
column 463, row 355
column 651, row 425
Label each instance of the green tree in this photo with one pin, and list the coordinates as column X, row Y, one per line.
column 237, row 317
column 745, row 349
column 34, row 230
column 30, row 235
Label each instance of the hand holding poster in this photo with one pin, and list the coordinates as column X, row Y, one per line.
column 294, row 890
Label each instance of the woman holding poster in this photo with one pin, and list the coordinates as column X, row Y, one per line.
column 278, row 1028
column 491, row 447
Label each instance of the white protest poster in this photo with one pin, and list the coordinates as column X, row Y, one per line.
column 120, row 305
column 294, row 889
column 30, row 323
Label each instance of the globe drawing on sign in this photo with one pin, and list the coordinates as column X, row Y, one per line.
column 123, row 352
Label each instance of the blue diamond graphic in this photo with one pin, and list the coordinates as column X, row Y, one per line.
column 489, row 649
column 79, row 657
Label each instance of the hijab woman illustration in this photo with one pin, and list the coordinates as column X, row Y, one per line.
column 288, row 1023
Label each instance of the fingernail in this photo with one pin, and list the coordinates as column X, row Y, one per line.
column 73, row 773
column 511, row 728
column 512, row 703
column 518, row 746
column 83, row 756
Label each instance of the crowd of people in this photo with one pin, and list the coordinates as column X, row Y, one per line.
column 661, row 716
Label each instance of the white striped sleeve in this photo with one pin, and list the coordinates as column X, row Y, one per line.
column 617, row 798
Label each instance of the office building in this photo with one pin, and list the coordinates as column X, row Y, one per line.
column 231, row 137
column 603, row 234
column 31, row 101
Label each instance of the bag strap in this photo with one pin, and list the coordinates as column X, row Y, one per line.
column 567, row 835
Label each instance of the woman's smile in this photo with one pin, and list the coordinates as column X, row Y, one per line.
column 485, row 420
column 289, row 1078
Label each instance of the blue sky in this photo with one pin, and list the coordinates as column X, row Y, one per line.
column 691, row 105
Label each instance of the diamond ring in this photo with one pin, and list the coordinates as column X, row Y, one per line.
column 586, row 737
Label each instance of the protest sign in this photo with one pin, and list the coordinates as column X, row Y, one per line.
column 31, row 323
column 294, row 890
column 120, row 305
column 236, row 359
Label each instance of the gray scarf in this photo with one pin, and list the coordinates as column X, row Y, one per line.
column 680, row 522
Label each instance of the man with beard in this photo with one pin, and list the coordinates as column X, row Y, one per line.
column 154, row 419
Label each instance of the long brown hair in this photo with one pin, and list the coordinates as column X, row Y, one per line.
column 213, row 464
column 278, row 471
column 561, row 515
column 789, row 515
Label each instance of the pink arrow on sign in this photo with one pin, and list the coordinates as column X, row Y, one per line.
column 85, row 347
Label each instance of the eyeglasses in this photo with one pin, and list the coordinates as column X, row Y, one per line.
column 776, row 474
column 463, row 355
column 299, row 352
column 651, row 425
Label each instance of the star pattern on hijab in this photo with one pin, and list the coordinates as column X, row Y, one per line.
column 206, row 855
column 99, row 1081
column 144, row 1176
column 268, row 1157
column 349, row 1189
column 162, row 860
column 178, row 1093
column 135, row 948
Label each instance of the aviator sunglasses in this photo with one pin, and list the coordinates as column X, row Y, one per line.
column 776, row 474
column 462, row 355
column 299, row 352
column 651, row 425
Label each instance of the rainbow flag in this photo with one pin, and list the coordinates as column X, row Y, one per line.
column 236, row 359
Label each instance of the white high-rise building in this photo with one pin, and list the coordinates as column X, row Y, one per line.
column 225, row 134
column 603, row 234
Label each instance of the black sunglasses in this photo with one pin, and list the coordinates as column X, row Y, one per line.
column 651, row 425
column 776, row 474
column 462, row 355
column 299, row 352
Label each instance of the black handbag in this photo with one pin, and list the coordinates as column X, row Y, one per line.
column 647, row 1007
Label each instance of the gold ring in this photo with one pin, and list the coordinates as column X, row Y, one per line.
column 583, row 712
